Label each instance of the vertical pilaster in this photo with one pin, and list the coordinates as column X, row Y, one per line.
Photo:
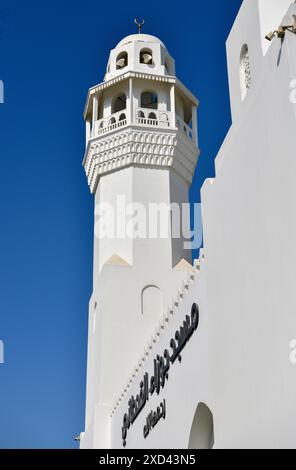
column 94, row 113
column 87, row 129
column 173, row 106
column 131, row 104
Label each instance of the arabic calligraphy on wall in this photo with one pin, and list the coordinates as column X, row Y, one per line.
column 158, row 380
column 153, row 418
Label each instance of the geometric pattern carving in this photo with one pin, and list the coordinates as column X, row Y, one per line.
column 129, row 146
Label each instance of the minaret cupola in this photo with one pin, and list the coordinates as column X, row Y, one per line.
column 140, row 53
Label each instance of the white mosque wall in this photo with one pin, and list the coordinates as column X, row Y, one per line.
column 249, row 232
column 237, row 361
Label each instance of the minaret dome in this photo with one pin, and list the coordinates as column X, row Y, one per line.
column 140, row 53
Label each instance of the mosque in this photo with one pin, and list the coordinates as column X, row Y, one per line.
column 195, row 355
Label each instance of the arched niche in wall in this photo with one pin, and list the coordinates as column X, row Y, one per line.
column 146, row 56
column 244, row 71
column 151, row 301
column 121, row 60
column 202, row 429
column 152, row 116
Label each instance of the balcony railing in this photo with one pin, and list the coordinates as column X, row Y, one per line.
column 143, row 117
column 153, row 117
column 114, row 121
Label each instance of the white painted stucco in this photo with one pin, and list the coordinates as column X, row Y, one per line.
column 237, row 361
column 143, row 160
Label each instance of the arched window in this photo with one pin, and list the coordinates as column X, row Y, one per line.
column 245, row 71
column 122, row 117
column 202, row 429
column 149, row 100
column 119, row 103
column 121, row 60
column 146, row 57
column 152, row 116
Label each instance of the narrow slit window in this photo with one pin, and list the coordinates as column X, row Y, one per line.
column 245, row 71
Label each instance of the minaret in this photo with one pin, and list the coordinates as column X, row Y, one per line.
column 141, row 149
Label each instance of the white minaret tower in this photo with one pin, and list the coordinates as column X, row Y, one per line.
column 141, row 148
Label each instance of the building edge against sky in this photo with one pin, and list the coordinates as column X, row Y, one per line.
column 139, row 146
column 233, row 384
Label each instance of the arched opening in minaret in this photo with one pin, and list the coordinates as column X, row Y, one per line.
column 119, row 103
column 202, row 429
column 245, row 71
column 121, row 60
column 149, row 100
column 146, row 56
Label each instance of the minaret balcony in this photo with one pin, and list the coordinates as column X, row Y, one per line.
column 159, row 140
column 153, row 118
column 111, row 123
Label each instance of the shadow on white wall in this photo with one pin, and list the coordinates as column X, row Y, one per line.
column 202, row 429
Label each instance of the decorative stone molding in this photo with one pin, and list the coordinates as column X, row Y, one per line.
column 131, row 146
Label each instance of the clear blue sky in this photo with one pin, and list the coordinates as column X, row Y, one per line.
column 50, row 54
